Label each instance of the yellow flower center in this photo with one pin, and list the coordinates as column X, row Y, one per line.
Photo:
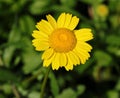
column 62, row 40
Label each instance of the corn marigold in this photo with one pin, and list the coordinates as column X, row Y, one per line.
column 102, row 10
column 62, row 45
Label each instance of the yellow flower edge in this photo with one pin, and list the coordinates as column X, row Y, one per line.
column 63, row 46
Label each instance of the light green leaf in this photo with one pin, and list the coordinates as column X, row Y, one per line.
column 113, row 94
column 7, row 88
column 67, row 93
column 39, row 6
column 13, row 40
column 80, row 89
column 53, row 84
column 34, row 94
column 8, row 55
column 114, row 49
column 31, row 58
column 117, row 87
column 103, row 59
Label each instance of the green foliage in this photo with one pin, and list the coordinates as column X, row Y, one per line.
column 21, row 70
column 102, row 58
column 53, row 84
column 70, row 93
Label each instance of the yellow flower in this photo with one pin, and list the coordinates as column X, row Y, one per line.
column 102, row 10
column 62, row 45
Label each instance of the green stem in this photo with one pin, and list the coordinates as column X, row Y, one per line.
column 44, row 83
column 27, row 81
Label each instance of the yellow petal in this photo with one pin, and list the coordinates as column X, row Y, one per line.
column 52, row 21
column 69, row 67
column 73, row 23
column 63, row 59
column 40, row 45
column 73, row 58
column 84, row 52
column 81, row 56
column 84, row 45
column 48, row 53
column 45, row 27
column 68, row 20
column 47, row 62
column 70, row 62
column 61, row 20
column 83, row 34
column 56, row 62
column 39, row 35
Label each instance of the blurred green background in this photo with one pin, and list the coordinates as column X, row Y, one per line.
column 21, row 71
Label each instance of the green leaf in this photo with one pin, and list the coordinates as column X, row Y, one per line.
column 71, row 3
column 22, row 90
column 114, row 49
column 2, row 96
column 102, row 58
column 81, row 68
column 13, row 40
column 117, row 87
column 7, row 1
column 114, row 20
column 15, row 34
column 39, row 6
column 113, row 40
column 53, row 84
column 31, row 58
column 113, row 94
column 34, row 94
column 91, row 1
column 67, row 93
column 7, row 88
column 80, row 89
column 8, row 55
column 6, row 75
column 27, row 24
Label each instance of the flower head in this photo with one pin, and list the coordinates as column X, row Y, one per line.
column 62, row 45
column 102, row 10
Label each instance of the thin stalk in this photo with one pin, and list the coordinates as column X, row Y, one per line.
column 44, row 83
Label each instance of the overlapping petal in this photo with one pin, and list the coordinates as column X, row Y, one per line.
column 74, row 22
column 61, row 20
column 84, row 45
column 39, row 35
column 56, row 62
column 62, row 59
column 83, row 34
column 52, row 21
column 47, row 62
column 67, row 20
column 40, row 45
column 48, row 53
column 45, row 27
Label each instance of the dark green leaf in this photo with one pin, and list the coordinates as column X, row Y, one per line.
column 6, row 75
column 27, row 24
